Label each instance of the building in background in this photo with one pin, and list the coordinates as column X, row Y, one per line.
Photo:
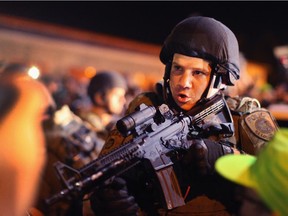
column 58, row 50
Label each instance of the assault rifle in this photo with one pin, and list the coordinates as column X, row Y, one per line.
column 157, row 132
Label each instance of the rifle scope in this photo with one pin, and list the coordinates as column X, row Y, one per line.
column 129, row 122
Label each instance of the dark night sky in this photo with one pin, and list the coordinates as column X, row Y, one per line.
column 259, row 26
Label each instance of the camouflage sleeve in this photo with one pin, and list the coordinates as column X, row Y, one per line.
column 254, row 126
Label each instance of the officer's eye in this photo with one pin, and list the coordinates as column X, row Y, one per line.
column 176, row 67
column 200, row 72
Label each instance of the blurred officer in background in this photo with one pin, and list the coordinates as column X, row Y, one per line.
column 77, row 140
column 106, row 90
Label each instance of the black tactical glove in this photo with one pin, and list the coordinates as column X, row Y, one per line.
column 203, row 154
column 114, row 199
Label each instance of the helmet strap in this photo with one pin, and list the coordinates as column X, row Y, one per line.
column 166, row 78
column 102, row 101
column 213, row 87
column 215, row 84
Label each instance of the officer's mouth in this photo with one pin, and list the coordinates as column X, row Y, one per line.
column 183, row 98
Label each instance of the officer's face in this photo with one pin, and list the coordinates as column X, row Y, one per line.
column 189, row 78
column 116, row 100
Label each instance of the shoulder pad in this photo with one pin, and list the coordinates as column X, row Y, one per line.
column 113, row 141
column 256, row 129
column 261, row 123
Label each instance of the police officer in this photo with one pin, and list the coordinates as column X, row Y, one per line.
column 106, row 91
column 201, row 58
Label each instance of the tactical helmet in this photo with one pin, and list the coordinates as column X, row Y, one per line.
column 206, row 38
column 104, row 81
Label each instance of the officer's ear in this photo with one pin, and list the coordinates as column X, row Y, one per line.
column 100, row 98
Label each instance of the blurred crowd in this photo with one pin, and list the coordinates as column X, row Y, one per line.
column 72, row 91
column 266, row 93
column 78, row 116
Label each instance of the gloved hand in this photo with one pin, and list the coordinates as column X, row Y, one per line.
column 203, row 154
column 114, row 199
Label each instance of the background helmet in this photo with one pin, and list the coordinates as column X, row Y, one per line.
column 104, row 81
column 205, row 38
